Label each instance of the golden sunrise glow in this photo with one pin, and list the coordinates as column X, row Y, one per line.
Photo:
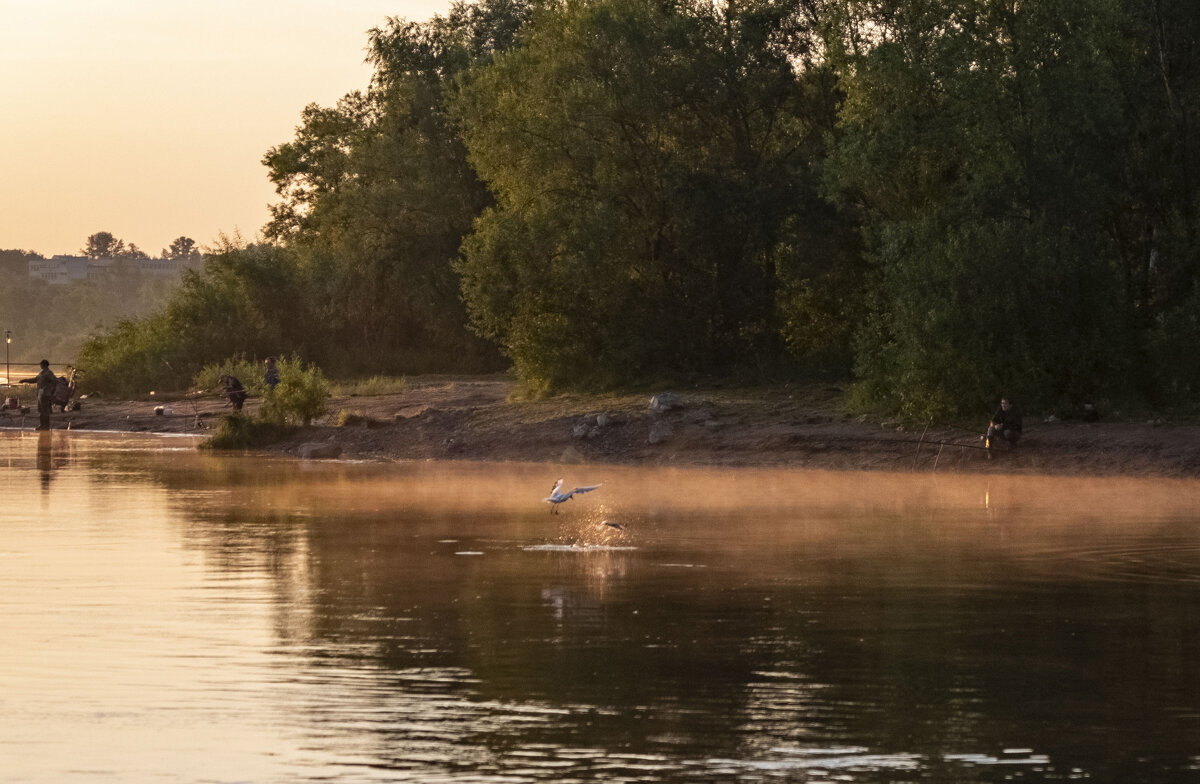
column 149, row 120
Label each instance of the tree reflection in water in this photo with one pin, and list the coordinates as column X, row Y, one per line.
column 784, row 625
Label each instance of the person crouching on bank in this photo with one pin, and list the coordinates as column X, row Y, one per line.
column 1005, row 424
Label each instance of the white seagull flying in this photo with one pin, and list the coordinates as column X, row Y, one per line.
column 557, row 498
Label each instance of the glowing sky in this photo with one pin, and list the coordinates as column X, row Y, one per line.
column 149, row 118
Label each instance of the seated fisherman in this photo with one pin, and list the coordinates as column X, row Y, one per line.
column 1005, row 424
column 234, row 391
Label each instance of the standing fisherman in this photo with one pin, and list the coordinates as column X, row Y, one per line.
column 46, row 382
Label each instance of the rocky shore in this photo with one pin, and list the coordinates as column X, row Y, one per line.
column 801, row 426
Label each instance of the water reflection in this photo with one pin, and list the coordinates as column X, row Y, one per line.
column 182, row 616
column 52, row 453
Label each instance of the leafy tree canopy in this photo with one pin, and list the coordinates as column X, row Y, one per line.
column 652, row 166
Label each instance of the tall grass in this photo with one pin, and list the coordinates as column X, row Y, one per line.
column 375, row 385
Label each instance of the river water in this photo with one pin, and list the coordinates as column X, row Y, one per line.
column 171, row 615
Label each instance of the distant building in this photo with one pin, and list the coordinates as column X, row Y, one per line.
column 59, row 270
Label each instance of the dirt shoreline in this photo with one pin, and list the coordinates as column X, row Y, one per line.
column 476, row 419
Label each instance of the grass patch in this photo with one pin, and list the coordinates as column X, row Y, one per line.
column 236, row 431
column 375, row 385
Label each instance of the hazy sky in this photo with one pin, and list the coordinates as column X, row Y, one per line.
column 149, row 118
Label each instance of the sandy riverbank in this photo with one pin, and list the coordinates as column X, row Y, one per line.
column 475, row 419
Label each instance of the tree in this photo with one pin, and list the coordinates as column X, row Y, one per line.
column 1155, row 225
column 377, row 196
column 183, row 249
column 133, row 252
column 247, row 299
column 14, row 264
column 977, row 140
column 653, row 167
column 103, row 245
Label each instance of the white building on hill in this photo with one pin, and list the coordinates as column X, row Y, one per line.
column 59, row 270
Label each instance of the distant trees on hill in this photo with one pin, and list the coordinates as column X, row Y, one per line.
column 103, row 245
column 952, row 199
column 53, row 321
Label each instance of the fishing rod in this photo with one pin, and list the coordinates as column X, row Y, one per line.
column 886, row 440
column 943, row 426
column 929, row 441
column 190, row 397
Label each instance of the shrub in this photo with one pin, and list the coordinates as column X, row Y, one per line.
column 238, row 431
column 300, row 397
column 132, row 357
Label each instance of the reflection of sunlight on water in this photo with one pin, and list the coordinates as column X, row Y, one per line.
column 817, row 761
column 576, row 548
column 820, row 763
column 434, row 623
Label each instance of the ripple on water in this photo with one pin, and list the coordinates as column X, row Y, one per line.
column 830, row 762
column 1159, row 561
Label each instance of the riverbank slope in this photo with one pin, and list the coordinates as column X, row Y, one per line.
column 802, row 426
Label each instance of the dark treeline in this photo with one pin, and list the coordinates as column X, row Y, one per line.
column 950, row 200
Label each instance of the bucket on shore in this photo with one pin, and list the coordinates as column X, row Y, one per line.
column 12, row 402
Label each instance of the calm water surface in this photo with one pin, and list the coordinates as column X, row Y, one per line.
column 167, row 615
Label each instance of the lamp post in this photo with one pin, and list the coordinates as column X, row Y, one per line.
column 7, row 343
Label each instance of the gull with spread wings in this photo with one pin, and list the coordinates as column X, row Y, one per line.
column 557, row 497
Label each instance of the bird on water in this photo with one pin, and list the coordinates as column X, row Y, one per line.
column 557, row 498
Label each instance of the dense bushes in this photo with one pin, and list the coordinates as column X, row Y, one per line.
column 300, row 397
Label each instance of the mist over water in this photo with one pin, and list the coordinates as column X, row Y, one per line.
column 170, row 615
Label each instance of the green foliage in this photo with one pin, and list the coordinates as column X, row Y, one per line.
column 300, row 397
column 246, row 301
column 377, row 196
column 237, row 431
column 131, row 358
column 979, row 147
column 652, row 167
